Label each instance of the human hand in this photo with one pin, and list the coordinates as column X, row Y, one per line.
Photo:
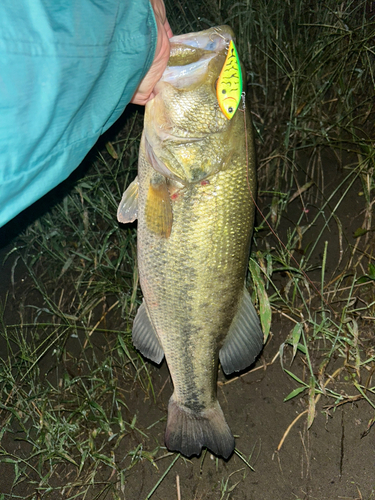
column 145, row 90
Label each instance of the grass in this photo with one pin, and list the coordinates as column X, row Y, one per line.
column 68, row 370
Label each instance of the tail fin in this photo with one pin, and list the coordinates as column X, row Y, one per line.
column 188, row 432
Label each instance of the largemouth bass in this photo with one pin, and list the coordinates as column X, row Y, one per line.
column 195, row 221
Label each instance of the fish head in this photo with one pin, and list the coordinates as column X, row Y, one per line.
column 187, row 136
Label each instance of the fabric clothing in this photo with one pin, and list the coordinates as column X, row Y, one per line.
column 68, row 69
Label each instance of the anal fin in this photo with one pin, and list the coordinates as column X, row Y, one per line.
column 145, row 338
column 244, row 340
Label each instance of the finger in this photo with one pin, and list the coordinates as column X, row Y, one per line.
column 168, row 29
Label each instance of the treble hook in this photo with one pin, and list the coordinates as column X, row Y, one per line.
column 217, row 32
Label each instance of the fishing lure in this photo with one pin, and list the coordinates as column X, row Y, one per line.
column 229, row 84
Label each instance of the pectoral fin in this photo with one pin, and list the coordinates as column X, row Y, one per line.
column 244, row 340
column 128, row 209
column 145, row 338
column 158, row 210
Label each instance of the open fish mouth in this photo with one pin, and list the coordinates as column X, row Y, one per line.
column 215, row 41
column 183, row 76
column 197, row 52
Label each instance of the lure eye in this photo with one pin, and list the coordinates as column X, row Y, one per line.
column 230, row 110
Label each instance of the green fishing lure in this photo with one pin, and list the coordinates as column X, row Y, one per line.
column 229, row 84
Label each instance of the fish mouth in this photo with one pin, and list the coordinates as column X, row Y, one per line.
column 182, row 76
column 198, row 50
column 213, row 39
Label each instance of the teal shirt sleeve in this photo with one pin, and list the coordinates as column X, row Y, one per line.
column 68, row 69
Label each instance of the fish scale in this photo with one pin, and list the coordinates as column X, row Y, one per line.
column 195, row 219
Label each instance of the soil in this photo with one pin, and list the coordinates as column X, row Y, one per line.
column 334, row 459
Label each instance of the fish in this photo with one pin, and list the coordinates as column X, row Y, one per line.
column 193, row 198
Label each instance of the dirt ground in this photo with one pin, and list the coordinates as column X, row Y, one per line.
column 332, row 460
